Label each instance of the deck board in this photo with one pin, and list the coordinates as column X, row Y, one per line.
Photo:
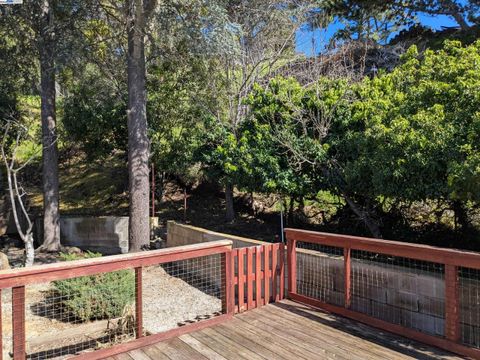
column 288, row 331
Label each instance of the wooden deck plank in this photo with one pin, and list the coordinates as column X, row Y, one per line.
column 285, row 339
column 338, row 339
column 287, row 331
column 305, row 339
column 178, row 350
column 201, row 348
column 337, row 329
column 138, row 355
column 285, row 348
column 231, row 343
column 237, row 336
column 121, row 357
column 358, row 333
column 218, row 346
column 154, row 352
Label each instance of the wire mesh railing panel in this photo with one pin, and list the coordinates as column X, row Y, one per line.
column 183, row 292
column 321, row 273
column 67, row 317
column 7, row 334
column 398, row 290
column 469, row 291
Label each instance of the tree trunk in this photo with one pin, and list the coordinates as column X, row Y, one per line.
column 26, row 236
column 51, row 215
column 230, row 209
column 461, row 216
column 365, row 217
column 138, row 143
column 184, row 204
column 291, row 208
column 29, row 250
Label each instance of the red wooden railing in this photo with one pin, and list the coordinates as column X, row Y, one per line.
column 18, row 279
column 258, row 276
column 449, row 261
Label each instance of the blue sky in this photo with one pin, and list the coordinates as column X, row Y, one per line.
column 307, row 40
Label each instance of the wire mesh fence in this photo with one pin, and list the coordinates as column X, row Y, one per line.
column 426, row 293
column 63, row 318
column 469, row 291
column 7, row 333
column 321, row 273
column 183, row 292
column 67, row 317
column 399, row 290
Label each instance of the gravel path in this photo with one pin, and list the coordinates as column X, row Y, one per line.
column 169, row 302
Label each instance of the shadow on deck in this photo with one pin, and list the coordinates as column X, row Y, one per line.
column 287, row 330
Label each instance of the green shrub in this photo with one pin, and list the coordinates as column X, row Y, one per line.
column 102, row 296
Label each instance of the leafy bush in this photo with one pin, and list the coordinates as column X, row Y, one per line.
column 102, row 296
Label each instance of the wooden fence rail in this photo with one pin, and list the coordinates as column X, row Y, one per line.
column 449, row 260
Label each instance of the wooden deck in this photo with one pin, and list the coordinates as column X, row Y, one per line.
column 287, row 330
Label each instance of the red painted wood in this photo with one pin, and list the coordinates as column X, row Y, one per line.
column 452, row 303
column 71, row 269
column 348, row 276
column 250, row 252
column 292, row 265
column 139, row 302
column 241, row 280
column 252, row 276
column 153, row 339
column 275, row 249
column 258, row 276
column 235, row 275
column 266, row 272
column 229, row 307
column 282, row 280
column 396, row 329
column 18, row 322
column 395, row 248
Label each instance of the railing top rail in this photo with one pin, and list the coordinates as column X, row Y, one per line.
column 388, row 247
column 76, row 268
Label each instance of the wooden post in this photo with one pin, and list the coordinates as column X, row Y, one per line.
column 275, row 249
column 281, row 262
column 229, row 301
column 139, row 302
column 292, row 265
column 241, row 280
column 18, row 323
column 250, row 278
column 266, row 273
column 347, row 258
column 452, row 303
column 258, row 274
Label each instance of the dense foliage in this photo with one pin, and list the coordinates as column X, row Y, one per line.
column 96, row 297
column 366, row 124
column 405, row 136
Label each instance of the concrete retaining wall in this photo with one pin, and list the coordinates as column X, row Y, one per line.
column 107, row 235
column 179, row 234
